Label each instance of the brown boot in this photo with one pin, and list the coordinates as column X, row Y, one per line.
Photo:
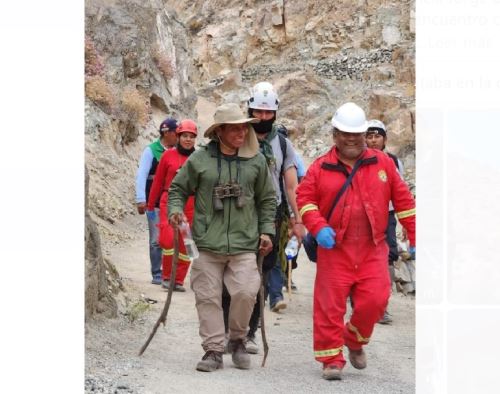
column 331, row 372
column 240, row 356
column 210, row 362
column 357, row 358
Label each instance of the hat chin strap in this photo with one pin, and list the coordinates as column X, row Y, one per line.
column 234, row 150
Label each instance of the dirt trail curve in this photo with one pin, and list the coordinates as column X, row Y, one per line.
column 168, row 365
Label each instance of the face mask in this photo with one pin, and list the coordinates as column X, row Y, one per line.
column 264, row 126
column 184, row 151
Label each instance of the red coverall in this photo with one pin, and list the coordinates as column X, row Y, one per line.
column 357, row 265
column 170, row 163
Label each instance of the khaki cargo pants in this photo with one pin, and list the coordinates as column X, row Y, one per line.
column 241, row 277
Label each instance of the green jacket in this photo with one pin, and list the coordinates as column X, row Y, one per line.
column 232, row 230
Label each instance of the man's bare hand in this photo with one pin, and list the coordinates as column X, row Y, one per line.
column 405, row 235
column 299, row 231
column 177, row 218
column 266, row 245
column 141, row 208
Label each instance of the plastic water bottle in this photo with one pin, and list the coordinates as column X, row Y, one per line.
column 292, row 248
column 187, row 237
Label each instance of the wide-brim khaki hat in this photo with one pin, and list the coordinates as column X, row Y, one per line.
column 231, row 113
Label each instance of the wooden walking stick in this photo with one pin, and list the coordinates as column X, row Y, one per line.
column 163, row 316
column 260, row 261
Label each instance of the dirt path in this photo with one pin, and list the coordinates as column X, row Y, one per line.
column 168, row 365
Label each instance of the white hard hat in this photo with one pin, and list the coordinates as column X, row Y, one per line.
column 376, row 124
column 350, row 118
column 263, row 96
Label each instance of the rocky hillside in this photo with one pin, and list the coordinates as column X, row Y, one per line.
column 147, row 60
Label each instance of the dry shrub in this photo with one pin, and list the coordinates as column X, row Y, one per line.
column 137, row 310
column 195, row 24
column 99, row 91
column 164, row 63
column 135, row 106
column 94, row 64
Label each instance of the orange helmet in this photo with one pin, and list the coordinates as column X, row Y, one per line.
column 187, row 126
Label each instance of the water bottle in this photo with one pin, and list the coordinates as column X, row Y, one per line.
column 187, row 237
column 292, row 248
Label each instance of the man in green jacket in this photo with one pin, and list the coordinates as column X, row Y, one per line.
column 235, row 205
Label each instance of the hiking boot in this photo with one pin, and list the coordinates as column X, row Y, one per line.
column 387, row 319
column 357, row 358
column 278, row 306
column 156, row 280
column 165, row 284
column 210, row 362
column 331, row 372
column 251, row 345
column 240, row 356
column 179, row 287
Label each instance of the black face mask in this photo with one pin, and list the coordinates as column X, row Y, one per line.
column 264, row 126
column 184, row 151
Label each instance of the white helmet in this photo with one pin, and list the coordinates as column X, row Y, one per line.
column 263, row 96
column 377, row 124
column 350, row 118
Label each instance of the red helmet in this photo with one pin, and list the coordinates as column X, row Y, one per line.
column 187, row 126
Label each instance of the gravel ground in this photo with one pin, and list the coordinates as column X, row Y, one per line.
column 168, row 365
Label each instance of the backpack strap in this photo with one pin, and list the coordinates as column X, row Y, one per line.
column 395, row 160
column 284, row 199
column 359, row 163
column 283, row 152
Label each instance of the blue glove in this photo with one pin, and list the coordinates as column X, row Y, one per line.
column 151, row 215
column 326, row 237
column 413, row 252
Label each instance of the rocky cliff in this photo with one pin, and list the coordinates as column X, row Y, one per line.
column 149, row 59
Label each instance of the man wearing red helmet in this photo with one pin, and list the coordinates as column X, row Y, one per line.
column 169, row 164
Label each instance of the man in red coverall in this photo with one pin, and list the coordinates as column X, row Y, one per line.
column 170, row 163
column 352, row 252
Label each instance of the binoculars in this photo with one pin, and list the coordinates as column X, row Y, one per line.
column 231, row 189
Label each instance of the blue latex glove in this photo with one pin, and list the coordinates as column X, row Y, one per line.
column 326, row 237
column 151, row 215
column 413, row 252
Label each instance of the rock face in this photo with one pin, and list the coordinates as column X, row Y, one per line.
column 318, row 55
column 98, row 295
column 137, row 64
column 182, row 58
